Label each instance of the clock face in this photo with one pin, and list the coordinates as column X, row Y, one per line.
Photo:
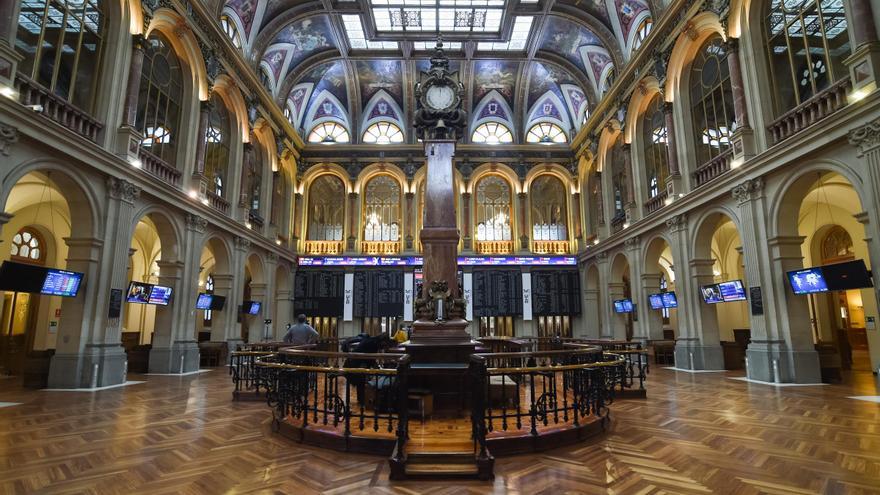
column 440, row 97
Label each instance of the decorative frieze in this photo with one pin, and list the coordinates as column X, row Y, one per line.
column 866, row 137
column 8, row 137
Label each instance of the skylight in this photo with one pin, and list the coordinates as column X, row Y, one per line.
column 354, row 29
column 521, row 27
column 423, row 45
column 458, row 16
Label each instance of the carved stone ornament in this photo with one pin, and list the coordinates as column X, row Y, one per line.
column 748, row 190
column 272, row 258
column 439, row 305
column 242, row 243
column 866, row 137
column 632, row 243
column 439, row 93
column 197, row 223
column 122, row 189
column 8, row 137
column 677, row 223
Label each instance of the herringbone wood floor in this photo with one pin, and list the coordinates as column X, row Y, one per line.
column 697, row 433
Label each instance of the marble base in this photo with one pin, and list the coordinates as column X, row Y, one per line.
column 690, row 354
column 792, row 366
column 181, row 357
column 99, row 365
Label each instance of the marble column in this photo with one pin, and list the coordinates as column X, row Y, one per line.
column 135, row 68
column 409, row 217
column 651, row 319
column 440, row 234
column 703, row 351
column 224, row 320
column 524, row 227
column 185, row 339
column 163, row 359
column 466, row 220
column 630, row 198
column 299, row 217
column 736, row 84
column 201, row 138
column 243, row 184
column 863, row 28
column 256, row 328
column 671, row 145
column 353, row 222
column 634, row 256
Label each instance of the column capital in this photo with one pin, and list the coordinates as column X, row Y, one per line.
column 196, row 223
column 748, row 190
column 632, row 243
column 677, row 223
column 138, row 41
column 8, row 137
column 272, row 258
column 242, row 244
column 865, row 137
column 122, row 189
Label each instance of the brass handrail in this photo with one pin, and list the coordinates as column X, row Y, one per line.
column 565, row 367
column 328, row 369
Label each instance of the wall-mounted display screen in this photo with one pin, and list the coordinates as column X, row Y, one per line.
column 204, row 301
column 656, row 301
column 623, row 306
column 160, row 295
column 711, row 294
column 669, row 300
column 251, row 307
column 418, row 261
column 61, row 283
column 217, row 302
column 807, row 281
column 138, row 293
column 732, row 291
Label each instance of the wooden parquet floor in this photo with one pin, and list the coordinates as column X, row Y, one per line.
column 695, row 434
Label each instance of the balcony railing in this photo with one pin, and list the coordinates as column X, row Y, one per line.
column 324, row 247
column 380, row 247
column 551, row 247
column 656, row 202
column 823, row 104
column 256, row 220
column 713, row 168
column 57, row 109
column 218, row 203
column 617, row 222
column 158, row 168
column 493, row 247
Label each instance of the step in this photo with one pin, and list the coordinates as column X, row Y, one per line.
column 440, row 458
column 442, row 469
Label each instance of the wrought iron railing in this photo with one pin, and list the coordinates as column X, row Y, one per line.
column 823, row 104
column 527, row 392
column 713, row 168
column 56, row 108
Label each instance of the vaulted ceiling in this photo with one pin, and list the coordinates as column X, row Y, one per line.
column 354, row 62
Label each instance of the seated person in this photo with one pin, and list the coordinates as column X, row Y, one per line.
column 369, row 345
column 401, row 336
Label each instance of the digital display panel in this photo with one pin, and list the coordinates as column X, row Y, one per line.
column 251, row 307
column 139, row 293
column 807, row 281
column 160, row 295
column 656, row 301
column 732, row 291
column 204, row 301
column 61, row 283
column 711, row 294
column 418, row 261
column 623, row 306
column 669, row 300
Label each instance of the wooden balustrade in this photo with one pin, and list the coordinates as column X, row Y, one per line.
column 158, row 168
column 376, row 248
column 324, row 247
column 551, row 247
column 56, row 108
column 657, row 202
column 713, row 168
column 821, row 105
column 218, row 203
column 493, row 247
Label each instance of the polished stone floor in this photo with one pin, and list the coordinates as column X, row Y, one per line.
column 696, row 433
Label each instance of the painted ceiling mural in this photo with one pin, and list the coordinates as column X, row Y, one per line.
column 287, row 39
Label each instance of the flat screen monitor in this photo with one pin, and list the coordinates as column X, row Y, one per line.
column 846, row 276
column 61, row 283
column 711, row 294
column 204, row 301
column 656, row 301
column 251, row 307
column 623, row 306
column 669, row 300
column 139, row 293
column 160, row 295
column 732, row 290
column 217, row 302
column 807, row 281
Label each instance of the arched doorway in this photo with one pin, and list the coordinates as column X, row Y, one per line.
column 658, row 277
column 619, row 288
column 215, row 279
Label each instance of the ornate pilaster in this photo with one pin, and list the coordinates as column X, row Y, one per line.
column 410, row 219
column 742, row 139
column 123, row 190
column 128, row 138
column 466, row 220
column 354, row 215
column 747, row 190
column 523, row 220
column 196, row 223
column 242, row 243
column 864, row 62
column 8, row 137
column 866, row 138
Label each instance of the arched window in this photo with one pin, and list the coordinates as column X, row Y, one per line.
column 654, row 139
column 383, row 133
column 255, row 176
column 217, row 137
column 546, row 133
column 61, row 42
column 711, row 100
column 493, row 209
column 807, row 42
column 28, row 246
column 642, row 32
column 492, row 133
column 230, row 30
column 549, row 211
column 382, row 210
column 618, row 176
column 279, row 195
column 326, row 208
column 161, row 91
column 209, row 289
column 328, row 133
column 837, row 245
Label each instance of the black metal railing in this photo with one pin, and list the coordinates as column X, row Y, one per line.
column 528, row 392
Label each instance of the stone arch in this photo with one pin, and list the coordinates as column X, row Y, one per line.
column 499, row 169
column 654, row 248
column 375, row 169
column 620, row 266
column 169, row 23
column 231, row 96
column 704, row 231
column 606, row 141
column 638, row 103
column 698, row 30
column 168, row 230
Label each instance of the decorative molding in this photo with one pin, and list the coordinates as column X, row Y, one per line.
column 122, row 189
column 272, row 258
column 866, row 137
column 632, row 243
column 8, row 137
column 197, row 223
column 677, row 223
column 748, row 190
column 241, row 243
